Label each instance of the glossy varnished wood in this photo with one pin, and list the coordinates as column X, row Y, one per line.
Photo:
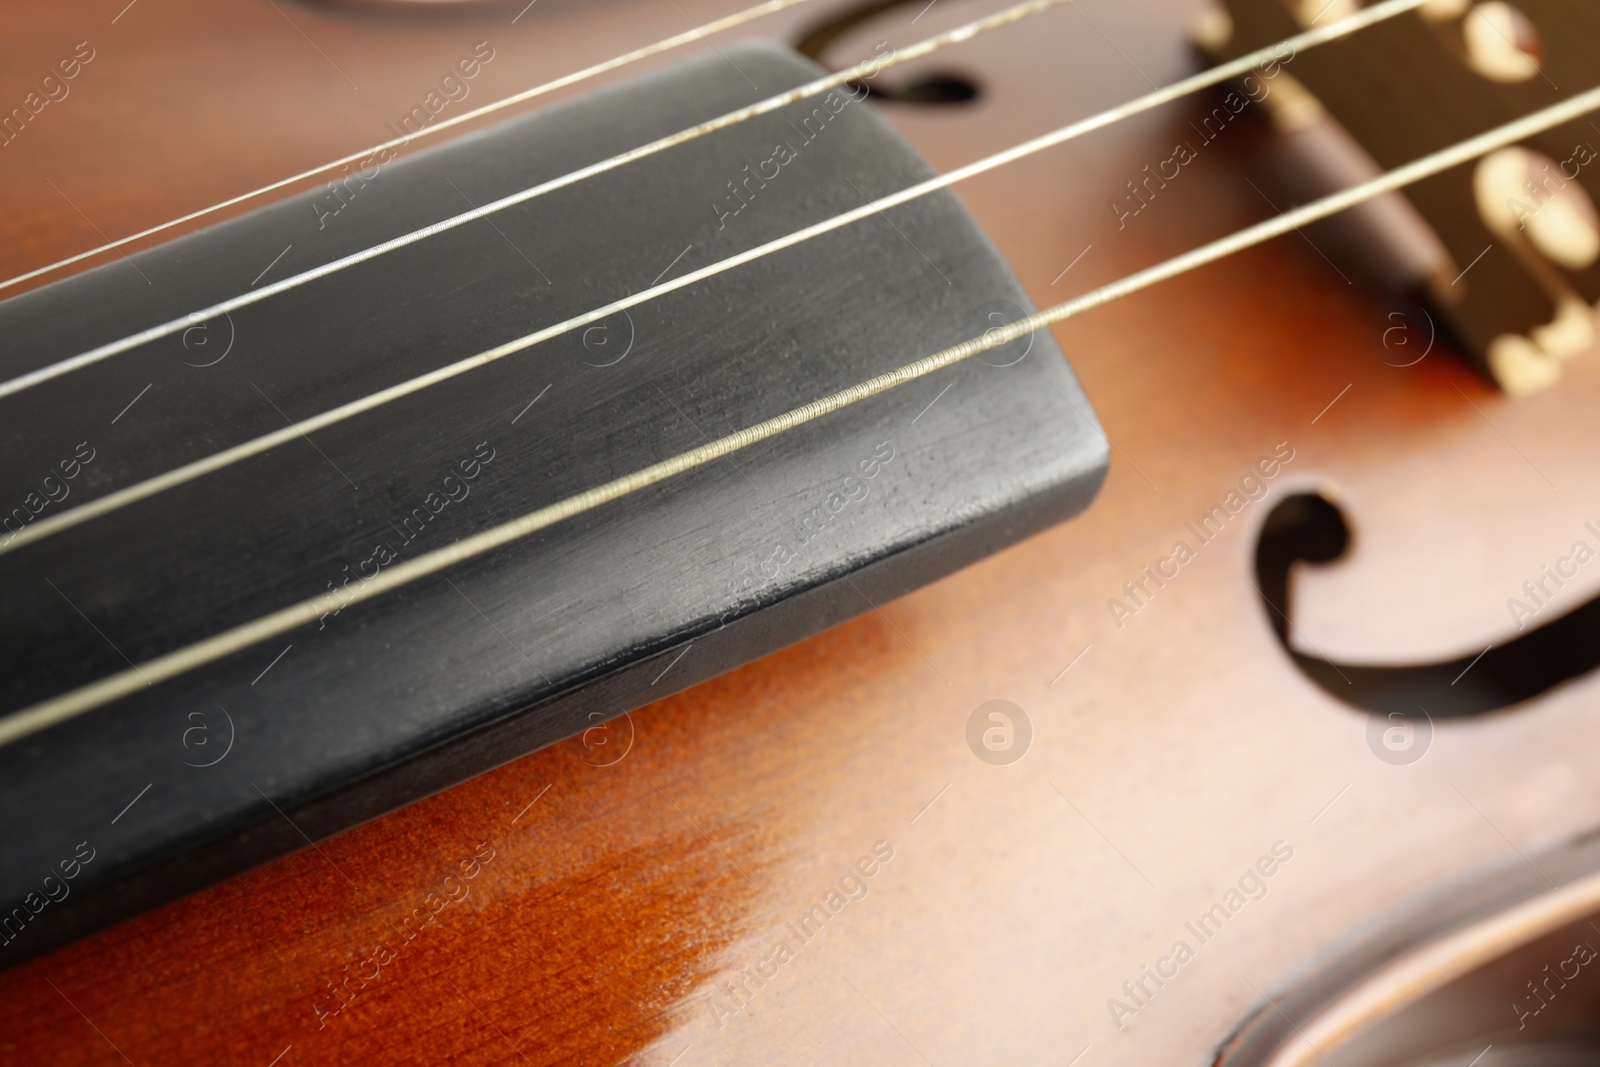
column 1173, row 753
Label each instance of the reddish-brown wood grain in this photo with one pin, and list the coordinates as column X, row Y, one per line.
column 1006, row 905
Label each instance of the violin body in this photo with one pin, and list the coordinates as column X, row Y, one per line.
column 826, row 855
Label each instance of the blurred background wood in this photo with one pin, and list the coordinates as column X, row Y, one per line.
column 1175, row 751
column 1518, row 283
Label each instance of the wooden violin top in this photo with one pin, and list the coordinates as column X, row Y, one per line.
column 807, row 860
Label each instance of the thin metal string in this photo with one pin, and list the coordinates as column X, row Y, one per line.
column 150, row 487
column 76, row 702
column 865, row 69
column 728, row 22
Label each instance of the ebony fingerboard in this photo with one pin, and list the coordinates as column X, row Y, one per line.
column 374, row 704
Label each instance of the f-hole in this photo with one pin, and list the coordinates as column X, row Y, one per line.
column 927, row 89
column 1309, row 528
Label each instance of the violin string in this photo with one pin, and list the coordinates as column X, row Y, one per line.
column 216, row 461
column 208, row 650
column 698, row 33
column 865, row 69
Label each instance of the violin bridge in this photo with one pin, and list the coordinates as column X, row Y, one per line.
column 1504, row 250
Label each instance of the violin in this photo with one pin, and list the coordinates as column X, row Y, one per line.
column 821, row 531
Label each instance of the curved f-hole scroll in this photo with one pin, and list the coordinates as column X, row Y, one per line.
column 937, row 88
column 1308, row 528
